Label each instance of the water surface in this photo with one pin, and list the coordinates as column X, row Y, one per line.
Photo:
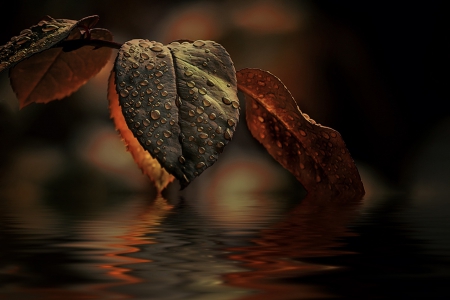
column 255, row 246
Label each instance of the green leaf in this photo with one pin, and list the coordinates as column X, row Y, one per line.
column 180, row 101
column 149, row 165
column 315, row 154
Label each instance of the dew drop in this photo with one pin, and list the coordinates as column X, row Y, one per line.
column 202, row 91
column 212, row 116
column 23, row 40
column 167, row 134
column 146, row 122
column 155, row 114
column 279, row 144
column 235, row 104
column 188, row 73
column 191, row 113
column 191, row 138
column 209, row 82
column 136, row 73
column 124, row 93
column 163, row 121
column 181, row 159
column 325, row 135
column 198, row 43
column 206, row 103
column 164, row 93
column 302, row 133
column 159, row 74
column 156, row 49
column 150, row 66
column 262, row 135
column 135, row 65
column 199, row 119
column 144, row 55
column 190, row 84
column 148, row 142
column 200, row 165
column 167, row 105
column 199, row 109
column 228, row 135
column 220, row 145
column 161, row 55
column 49, row 28
column 226, row 100
column 201, row 150
column 219, row 130
column 260, row 119
column 178, row 102
column 333, row 134
column 203, row 135
column 160, row 86
column 144, row 83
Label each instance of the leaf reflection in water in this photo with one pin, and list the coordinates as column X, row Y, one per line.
column 212, row 245
column 312, row 229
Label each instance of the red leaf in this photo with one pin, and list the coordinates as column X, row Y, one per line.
column 46, row 34
column 315, row 154
column 54, row 74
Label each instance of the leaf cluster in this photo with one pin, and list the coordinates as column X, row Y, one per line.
column 176, row 106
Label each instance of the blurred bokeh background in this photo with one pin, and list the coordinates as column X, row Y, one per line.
column 75, row 209
column 376, row 71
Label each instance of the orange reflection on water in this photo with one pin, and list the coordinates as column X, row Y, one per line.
column 312, row 229
column 144, row 224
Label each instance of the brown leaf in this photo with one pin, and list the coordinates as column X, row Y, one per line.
column 54, row 74
column 46, row 34
column 180, row 101
column 315, row 154
column 144, row 160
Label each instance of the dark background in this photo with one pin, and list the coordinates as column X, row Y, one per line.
column 376, row 71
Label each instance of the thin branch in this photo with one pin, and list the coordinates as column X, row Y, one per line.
column 70, row 45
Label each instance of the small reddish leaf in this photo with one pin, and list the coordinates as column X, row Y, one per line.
column 180, row 101
column 143, row 159
column 46, row 34
column 54, row 74
column 315, row 154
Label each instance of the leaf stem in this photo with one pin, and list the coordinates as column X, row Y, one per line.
column 71, row 45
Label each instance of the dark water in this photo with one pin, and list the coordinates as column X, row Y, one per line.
column 256, row 246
